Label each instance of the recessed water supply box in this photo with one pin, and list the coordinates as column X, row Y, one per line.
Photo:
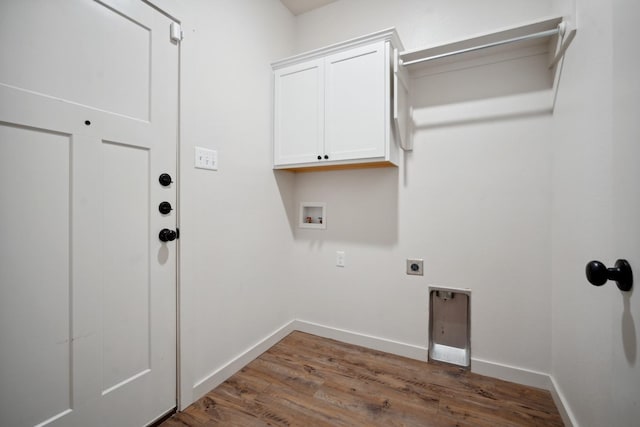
column 450, row 325
column 313, row 215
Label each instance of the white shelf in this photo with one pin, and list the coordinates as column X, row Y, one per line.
column 508, row 72
column 539, row 36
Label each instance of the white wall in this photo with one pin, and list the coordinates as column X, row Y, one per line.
column 235, row 240
column 510, row 207
column 472, row 199
column 595, row 135
column 420, row 23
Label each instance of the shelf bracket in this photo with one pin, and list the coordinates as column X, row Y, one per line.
column 566, row 40
column 401, row 106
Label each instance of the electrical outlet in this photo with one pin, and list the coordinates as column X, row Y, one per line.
column 415, row 267
column 340, row 259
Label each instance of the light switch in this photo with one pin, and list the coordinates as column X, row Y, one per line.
column 340, row 259
column 206, row 159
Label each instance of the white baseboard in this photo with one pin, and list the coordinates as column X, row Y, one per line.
column 511, row 373
column 368, row 341
column 217, row 377
column 528, row 378
column 563, row 406
column 479, row 366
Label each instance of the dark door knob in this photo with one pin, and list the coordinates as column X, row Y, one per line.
column 598, row 274
column 167, row 235
column 326, row 156
column 165, row 208
column 165, row 179
column 319, row 157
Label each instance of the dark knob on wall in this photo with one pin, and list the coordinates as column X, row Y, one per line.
column 598, row 274
column 319, row 157
column 167, row 235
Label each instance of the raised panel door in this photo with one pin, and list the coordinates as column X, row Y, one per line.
column 357, row 98
column 299, row 113
column 88, row 121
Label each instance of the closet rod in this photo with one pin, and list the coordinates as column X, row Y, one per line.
column 542, row 34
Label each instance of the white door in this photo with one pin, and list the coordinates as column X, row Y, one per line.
column 88, row 122
column 356, row 103
column 625, row 209
column 299, row 113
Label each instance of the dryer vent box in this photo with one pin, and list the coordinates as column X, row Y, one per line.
column 449, row 326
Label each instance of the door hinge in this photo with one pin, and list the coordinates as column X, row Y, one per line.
column 175, row 31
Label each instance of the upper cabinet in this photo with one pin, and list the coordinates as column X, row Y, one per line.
column 333, row 107
column 299, row 113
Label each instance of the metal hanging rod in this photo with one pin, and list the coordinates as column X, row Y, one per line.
column 548, row 33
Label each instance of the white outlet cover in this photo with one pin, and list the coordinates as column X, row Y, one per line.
column 340, row 259
column 206, row 159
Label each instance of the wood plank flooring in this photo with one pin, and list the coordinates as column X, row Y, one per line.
column 305, row 380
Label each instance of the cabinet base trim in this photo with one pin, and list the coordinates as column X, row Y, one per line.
column 337, row 167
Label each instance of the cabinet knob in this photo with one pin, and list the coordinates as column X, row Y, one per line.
column 326, row 156
column 319, row 157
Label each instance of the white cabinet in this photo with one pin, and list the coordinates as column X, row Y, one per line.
column 299, row 113
column 356, row 103
column 332, row 107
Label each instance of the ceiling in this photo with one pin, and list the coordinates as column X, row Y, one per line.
column 301, row 6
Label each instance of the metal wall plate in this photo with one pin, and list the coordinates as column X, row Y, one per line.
column 415, row 267
column 450, row 325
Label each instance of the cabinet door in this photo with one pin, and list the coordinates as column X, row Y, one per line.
column 299, row 113
column 356, row 103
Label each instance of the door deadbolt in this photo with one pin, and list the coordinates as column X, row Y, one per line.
column 165, row 208
column 165, row 179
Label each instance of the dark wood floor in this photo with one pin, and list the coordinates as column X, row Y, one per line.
column 306, row 380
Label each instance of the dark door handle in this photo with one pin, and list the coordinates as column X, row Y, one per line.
column 167, row 235
column 598, row 274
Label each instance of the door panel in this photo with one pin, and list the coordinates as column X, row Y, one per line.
column 355, row 103
column 115, row 72
column 36, row 285
column 299, row 113
column 88, row 292
column 126, row 284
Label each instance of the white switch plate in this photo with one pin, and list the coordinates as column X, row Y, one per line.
column 340, row 259
column 206, row 159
